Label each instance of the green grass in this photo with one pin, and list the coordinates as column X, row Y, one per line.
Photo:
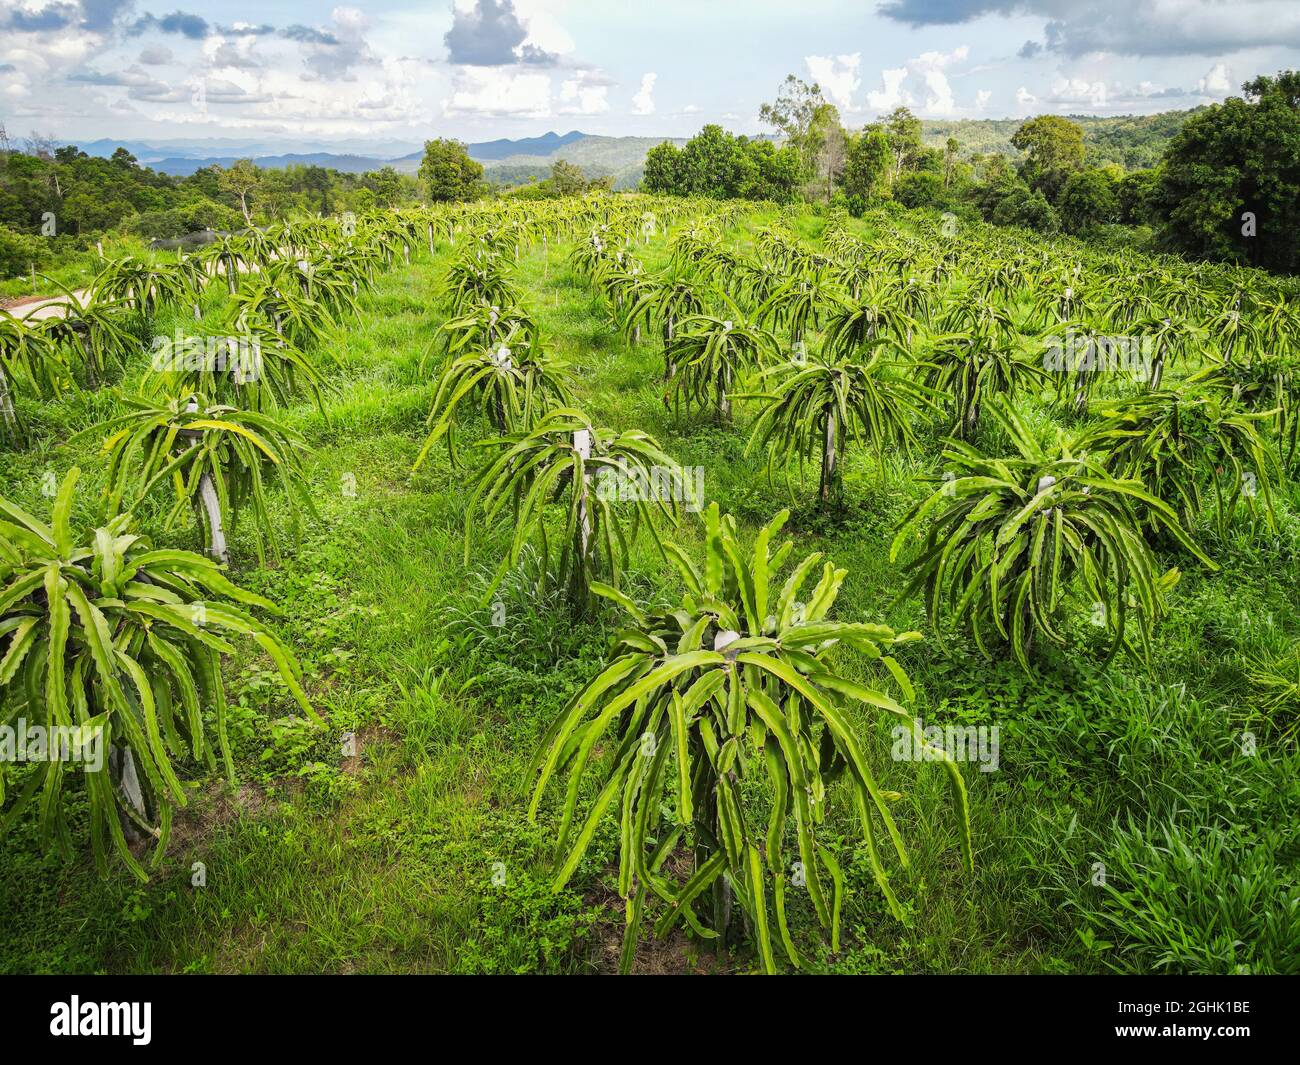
column 414, row 854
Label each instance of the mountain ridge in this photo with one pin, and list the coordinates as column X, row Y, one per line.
column 1131, row 140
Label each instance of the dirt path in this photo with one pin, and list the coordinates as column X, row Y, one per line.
column 36, row 307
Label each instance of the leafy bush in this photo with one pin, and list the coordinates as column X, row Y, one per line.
column 733, row 684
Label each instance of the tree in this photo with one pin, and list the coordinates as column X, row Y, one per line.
column 662, row 168
column 448, row 173
column 1230, row 180
column 1053, row 148
column 867, row 162
column 567, row 179
column 1136, row 197
column 950, row 150
column 1018, row 205
column 241, row 181
column 827, row 142
column 386, row 184
column 921, row 190
column 904, row 132
column 708, row 164
column 793, row 115
column 1087, row 200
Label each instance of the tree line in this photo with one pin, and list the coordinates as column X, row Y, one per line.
column 1225, row 185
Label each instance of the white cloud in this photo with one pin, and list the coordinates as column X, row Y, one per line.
column 982, row 98
column 1217, row 81
column 1025, row 100
column 643, row 103
column 921, row 84
column 837, row 75
column 893, row 94
column 500, row 92
column 1071, row 92
column 584, row 94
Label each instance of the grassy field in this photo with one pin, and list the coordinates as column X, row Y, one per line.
column 412, row 852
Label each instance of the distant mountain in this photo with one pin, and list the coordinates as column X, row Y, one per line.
column 1133, row 141
column 182, row 158
column 1130, row 140
column 150, row 152
column 347, row 164
column 546, row 144
column 622, row 158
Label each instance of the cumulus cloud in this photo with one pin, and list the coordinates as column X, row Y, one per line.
column 838, row 77
column 893, row 94
column 1125, row 27
column 921, row 84
column 491, row 34
column 1073, row 92
column 182, row 23
column 643, row 103
column 499, row 92
column 331, row 54
column 1217, row 81
column 584, row 94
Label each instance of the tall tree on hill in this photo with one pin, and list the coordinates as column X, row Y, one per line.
column 1053, row 148
column 1230, row 181
column 567, row 179
column 241, row 181
column 448, row 173
column 904, row 132
column 827, row 140
column 867, row 166
column 793, row 114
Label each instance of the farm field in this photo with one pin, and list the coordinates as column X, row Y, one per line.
column 1134, row 812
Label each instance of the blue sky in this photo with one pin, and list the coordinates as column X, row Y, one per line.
column 387, row 73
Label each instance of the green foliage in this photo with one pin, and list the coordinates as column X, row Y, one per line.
column 866, row 169
column 721, row 165
column 447, row 172
column 1087, row 200
column 827, row 405
column 186, row 441
column 708, row 355
column 974, row 368
column 1010, row 538
column 1053, row 147
column 126, row 643
column 514, row 382
column 921, row 190
column 735, row 683
column 526, row 469
column 1183, row 444
column 1233, row 160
